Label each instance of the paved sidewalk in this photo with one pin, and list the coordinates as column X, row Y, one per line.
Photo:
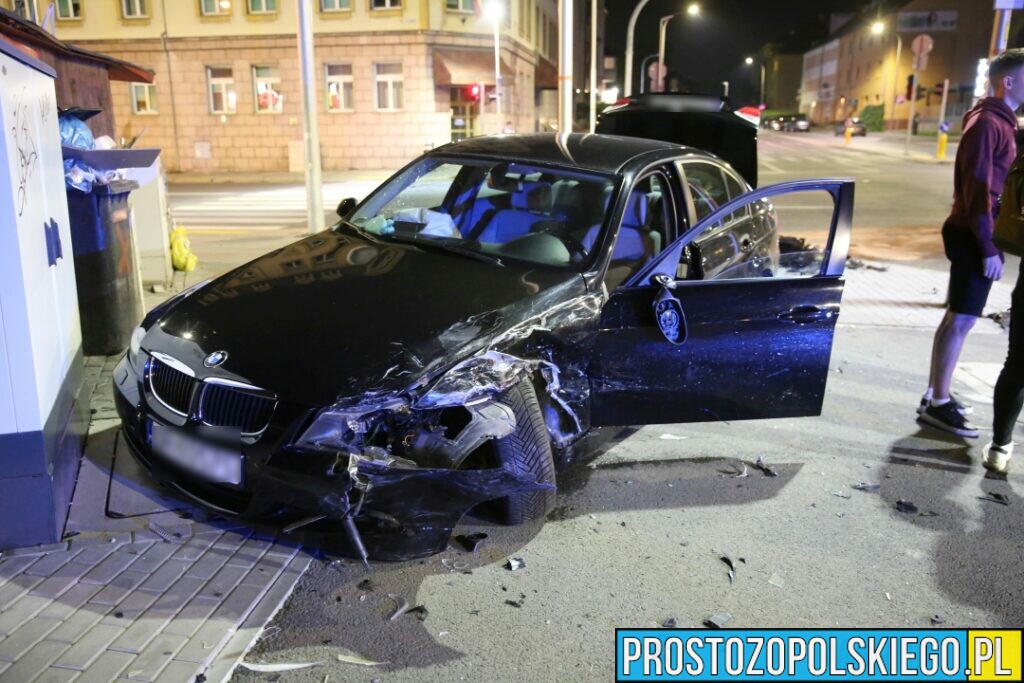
column 144, row 588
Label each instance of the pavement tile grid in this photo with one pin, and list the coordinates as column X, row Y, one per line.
column 76, row 613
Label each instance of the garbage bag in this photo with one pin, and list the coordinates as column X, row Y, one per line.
column 75, row 133
column 77, row 177
column 182, row 257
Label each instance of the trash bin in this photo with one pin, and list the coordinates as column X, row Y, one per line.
column 109, row 300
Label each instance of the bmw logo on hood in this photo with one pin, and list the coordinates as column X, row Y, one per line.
column 216, row 358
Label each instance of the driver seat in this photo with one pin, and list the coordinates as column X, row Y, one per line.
column 632, row 242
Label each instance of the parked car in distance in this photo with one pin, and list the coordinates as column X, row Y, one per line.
column 481, row 321
column 789, row 123
column 854, row 123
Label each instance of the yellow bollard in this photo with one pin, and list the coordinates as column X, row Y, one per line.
column 940, row 152
column 848, row 134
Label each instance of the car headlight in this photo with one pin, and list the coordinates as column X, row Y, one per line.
column 342, row 425
column 135, row 346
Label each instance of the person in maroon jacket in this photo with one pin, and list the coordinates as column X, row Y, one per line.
column 987, row 150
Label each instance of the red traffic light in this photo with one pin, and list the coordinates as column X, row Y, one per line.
column 473, row 92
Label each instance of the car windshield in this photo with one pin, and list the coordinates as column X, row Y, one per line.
column 497, row 210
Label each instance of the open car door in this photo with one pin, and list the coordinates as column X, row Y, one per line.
column 685, row 341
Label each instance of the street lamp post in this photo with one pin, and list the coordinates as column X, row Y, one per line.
column 627, row 87
column 878, row 28
column 693, row 9
column 494, row 12
column 566, row 102
column 311, row 131
column 593, row 65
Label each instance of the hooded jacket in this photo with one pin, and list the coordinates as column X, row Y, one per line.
column 987, row 150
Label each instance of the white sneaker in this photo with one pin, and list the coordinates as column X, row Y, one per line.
column 997, row 458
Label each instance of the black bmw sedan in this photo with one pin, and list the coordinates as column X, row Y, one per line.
column 467, row 331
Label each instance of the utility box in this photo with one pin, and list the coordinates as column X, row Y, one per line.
column 43, row 418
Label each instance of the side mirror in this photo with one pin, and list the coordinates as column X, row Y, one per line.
column 345, row 206
column 668, row 312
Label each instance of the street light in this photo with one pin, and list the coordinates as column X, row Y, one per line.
column 749, row 61
column 692, row 10
column 494, row 11
column 878, row 29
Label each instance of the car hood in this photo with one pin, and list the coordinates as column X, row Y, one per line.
column 339, row 314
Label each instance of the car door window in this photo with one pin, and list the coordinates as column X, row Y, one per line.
column 644, row 229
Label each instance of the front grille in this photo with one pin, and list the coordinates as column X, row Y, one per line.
column 172, row 387
column 224, row 405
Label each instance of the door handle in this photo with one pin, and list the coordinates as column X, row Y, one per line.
column 807, row 314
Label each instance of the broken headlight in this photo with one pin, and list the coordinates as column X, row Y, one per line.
column 135, row 348
column 474, row 380
column 344, row 425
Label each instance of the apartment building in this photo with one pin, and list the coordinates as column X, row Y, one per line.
column 395, row 77
column 856, row 67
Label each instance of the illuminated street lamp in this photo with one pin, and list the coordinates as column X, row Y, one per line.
column 878, row 29
column 494, row 12
column 692, row 10
column 749, row 61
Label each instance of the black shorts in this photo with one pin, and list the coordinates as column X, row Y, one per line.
column 968, row 286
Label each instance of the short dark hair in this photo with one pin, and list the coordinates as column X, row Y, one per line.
column 1005, row 63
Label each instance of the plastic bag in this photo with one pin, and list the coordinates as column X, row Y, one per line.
column 182, row 257
column 75, row 133
column 77, row 177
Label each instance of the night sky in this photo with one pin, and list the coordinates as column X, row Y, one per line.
column 710, row 49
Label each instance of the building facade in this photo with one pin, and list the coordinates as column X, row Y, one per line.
column 394, row 77
column 857, row 67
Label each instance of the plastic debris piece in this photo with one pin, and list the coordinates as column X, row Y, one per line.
column 938, row 620
column 471, row 542
column 763, row 466
column 353, row 658
column 366, row 585
column 993, row 497
column 906, row 506
column 888, row 597
column 732, row 567
column 841, row 494
column 777, row 580
column 515, row 563
column 739, row 471
column 669, row 623
column 279, row 667
column 403, row 607
column 420, row 611
column 866, row 487
column 337, row 565
column 672, row 437
column 517, row 603
column 718, row 620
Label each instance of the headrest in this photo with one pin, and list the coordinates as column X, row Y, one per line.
column 533, row 196
column 635, row 215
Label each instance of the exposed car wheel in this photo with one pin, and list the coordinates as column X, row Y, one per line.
column 527, row 450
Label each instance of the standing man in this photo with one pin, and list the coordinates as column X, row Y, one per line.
column 987, row 150
column 1009, row 395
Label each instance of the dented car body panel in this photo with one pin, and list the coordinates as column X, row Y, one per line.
column 361, row 376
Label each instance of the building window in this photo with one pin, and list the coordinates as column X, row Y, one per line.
column 143, row 98
column 214, row 8
column 262, row 6
column 385, row 4
column 335, row 5
column 69, row 9
column 460, row 5
column 389, row 86
column 220, row 83
column 134, row 9
column 267, row 87
column 339, row 87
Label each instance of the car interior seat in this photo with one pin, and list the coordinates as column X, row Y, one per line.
column 530, row 205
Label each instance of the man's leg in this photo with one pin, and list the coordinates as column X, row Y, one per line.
column 1009, row 393
column 949, row 342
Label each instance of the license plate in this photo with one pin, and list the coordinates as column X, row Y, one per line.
column 207, row 460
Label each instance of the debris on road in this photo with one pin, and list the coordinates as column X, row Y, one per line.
column 739, row 471
column 672, row 437
column 471, row 542
column 560, row 513
column 366, row 585
column 993, row 497
column 669, row 623
column 403, row 607
column 718, row 620
column 1001, row 318
column 353, row 658
column 906, row 506
column 515, row 563
column 419, row 611
column 938, row 620
column 517, row 603
column 841, row 494
column 277, row 668
column 777, row 580
column 866, row 487
column 761, row 465
column 732, row 567
column 857, row 264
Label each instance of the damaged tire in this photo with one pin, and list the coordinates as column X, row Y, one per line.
column 527, row 451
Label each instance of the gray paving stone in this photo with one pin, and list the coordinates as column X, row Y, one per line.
column 14, row 646
column 224, row 581
column 61, row 580
column 71, row 600
column 209, row 564
column 36, row 550
column 108, row 538
column 129, row 609
column 154, row 557
column 239, row 602
column 14, row 567
column 53, row 675
column 119, row 587
column 284, row 549
column 195, row 547
column 157, row 655
column 50, row 563
column 205, row 643
column 180, row 671
column 20, row 612
column 164, row 576
column 193, row 615
column 265, row 571
column 17, row 587
column 107, row 667
column 232, row 540
column 110, row 567
column 34, row 662
column 78, row 623
column 95, row 554
column 248, row 554
column 88, row 648
column 174, row 599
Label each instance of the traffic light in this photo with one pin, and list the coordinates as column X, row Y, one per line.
column 473, row 93
column 939, row 87
column 910, row 86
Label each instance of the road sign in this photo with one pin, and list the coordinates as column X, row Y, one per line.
column 921, row 47
column 1009, row 4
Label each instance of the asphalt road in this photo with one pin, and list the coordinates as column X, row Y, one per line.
column 638, row 535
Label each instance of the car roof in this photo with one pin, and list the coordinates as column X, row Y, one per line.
column 588, row 152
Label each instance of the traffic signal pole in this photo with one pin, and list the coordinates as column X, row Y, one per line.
column 910, row 116
column 314, row 171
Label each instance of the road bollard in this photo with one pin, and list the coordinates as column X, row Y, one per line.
column 940, row 151
column 848, row 134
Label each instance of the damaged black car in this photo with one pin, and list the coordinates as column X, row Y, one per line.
column 466, row 332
